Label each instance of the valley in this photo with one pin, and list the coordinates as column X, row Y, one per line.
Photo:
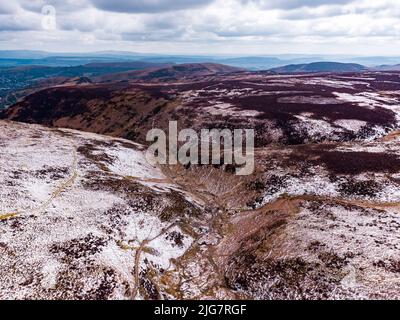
column 84, row 216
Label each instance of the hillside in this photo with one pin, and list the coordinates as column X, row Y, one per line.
column 84, row 216
column 172, row 72
column 15, row 81
column 283, row 109
column 117, row 110
column 73, row 209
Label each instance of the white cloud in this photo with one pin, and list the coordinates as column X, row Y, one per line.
column 293, row 4
column 230, row 26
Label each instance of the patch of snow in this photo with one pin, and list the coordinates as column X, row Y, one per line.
column 318, row 100
column 349, row 124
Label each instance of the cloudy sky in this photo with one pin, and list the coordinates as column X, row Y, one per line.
column 361, row 27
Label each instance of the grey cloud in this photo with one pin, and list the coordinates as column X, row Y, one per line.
column 293, row 22
column 59, row 5
column 69, row 25
column 293, row 4
column 7, row 7
column 10, row 23
column 146, row 6
column 249, row 31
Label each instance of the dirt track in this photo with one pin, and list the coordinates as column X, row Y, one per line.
column 58, row 190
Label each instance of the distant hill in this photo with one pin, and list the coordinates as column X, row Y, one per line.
column 388, row 67
column 172, row 72
column 9, row 58
column 254, row 63
column 320, row 67
column 91, row 69
column 77, row 81
column 13, row 79
column 22, row 54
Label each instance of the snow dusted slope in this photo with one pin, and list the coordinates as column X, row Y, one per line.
column 84, row 216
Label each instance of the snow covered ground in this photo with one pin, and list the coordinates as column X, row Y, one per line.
column 77, row 213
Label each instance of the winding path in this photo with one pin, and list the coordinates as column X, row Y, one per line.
column 56, row 193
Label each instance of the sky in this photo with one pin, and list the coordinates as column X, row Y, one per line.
column 237, row 27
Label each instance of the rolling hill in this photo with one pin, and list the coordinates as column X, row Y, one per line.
column 16, row 81
column 388, row 67
column 172, row 72
column 83, row 215
column 292, row 109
